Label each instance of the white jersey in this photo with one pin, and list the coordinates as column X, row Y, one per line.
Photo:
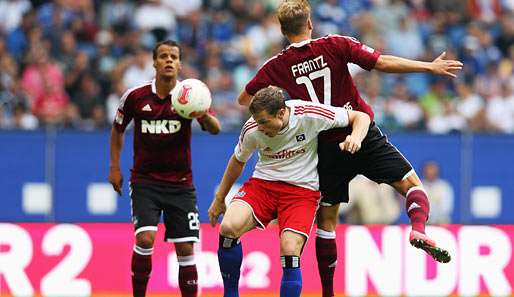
column 291, row 156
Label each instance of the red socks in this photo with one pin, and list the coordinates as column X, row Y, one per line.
column 418, row 207
column 326, row 254
column 141, row 268
column 187, row 276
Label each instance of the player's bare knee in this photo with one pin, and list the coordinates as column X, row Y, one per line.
column 184, row 248
column 229, row 229
column 145, row 239
column 327, row 218
column 403, row 186
column 291, row 243
column 291, row 247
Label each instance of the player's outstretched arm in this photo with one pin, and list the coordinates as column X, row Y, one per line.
column 244, row 98
column 440, row 66
column 360, row 122
column 115, row 176
column 232, row 173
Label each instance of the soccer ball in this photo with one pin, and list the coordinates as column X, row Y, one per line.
column 190, row 97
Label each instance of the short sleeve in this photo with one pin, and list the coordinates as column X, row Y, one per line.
column 247, row 143
column 352, row 50
column 125, row 112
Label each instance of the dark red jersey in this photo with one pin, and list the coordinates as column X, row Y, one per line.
column 162, row 139
column 316, row 70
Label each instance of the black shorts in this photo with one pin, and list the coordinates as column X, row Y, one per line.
column 178, row 205
column 377, row 159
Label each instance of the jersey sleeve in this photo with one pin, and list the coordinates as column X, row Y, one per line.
column 261, row 80
column 352, row 50
column 125, row 112
column 324, row 117
column 247, row 143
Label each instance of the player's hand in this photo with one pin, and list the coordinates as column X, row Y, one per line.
column 199, row 114
column 440, row 66
column 116, row 179
column 350, row 144
column 217, row 208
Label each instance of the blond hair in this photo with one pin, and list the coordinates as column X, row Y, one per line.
column 293, row 16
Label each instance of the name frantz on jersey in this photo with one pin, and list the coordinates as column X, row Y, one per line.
column 308, row 66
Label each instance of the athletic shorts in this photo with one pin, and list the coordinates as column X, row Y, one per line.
column 377, row 159
column 294, row 207
column 177, row 204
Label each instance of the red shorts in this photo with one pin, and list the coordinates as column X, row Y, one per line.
column 295, row 207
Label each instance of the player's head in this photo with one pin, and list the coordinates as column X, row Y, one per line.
column 166, row 58
column 294, row 17
column 431, row 170
column 268, row 109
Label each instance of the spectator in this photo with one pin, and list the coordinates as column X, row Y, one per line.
column 23, row 119
column 500, row 111
column 433, row 101
column 154, row 15
column 11, row 13
column 449, row 121
column 470, row 106
column 222, row 33
column 139, row 69
column 43, row 81
column 405, row 109
column 440, row 192
column 116, row 13
column 405, row 34
column 16, row 39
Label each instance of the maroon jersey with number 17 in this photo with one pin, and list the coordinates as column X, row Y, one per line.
column 316, row 70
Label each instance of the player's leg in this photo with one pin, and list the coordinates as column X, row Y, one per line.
column 187, row 272
column 145, row 216
column 182, row 228
column 326, row 246
column 382, row 162
column 336, row 169
column 291, row 245
column 246, row 211
column 417, row 207
column 296, row 211
column 238, row 219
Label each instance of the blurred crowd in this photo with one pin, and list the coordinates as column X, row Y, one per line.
column 66, row 63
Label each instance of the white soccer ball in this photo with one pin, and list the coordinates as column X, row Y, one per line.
column 190, row 97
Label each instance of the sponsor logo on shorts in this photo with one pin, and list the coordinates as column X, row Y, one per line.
column 240, row 194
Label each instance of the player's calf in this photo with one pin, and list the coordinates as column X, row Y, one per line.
column 326, row 254
column 187, row 276
column 141, row 268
